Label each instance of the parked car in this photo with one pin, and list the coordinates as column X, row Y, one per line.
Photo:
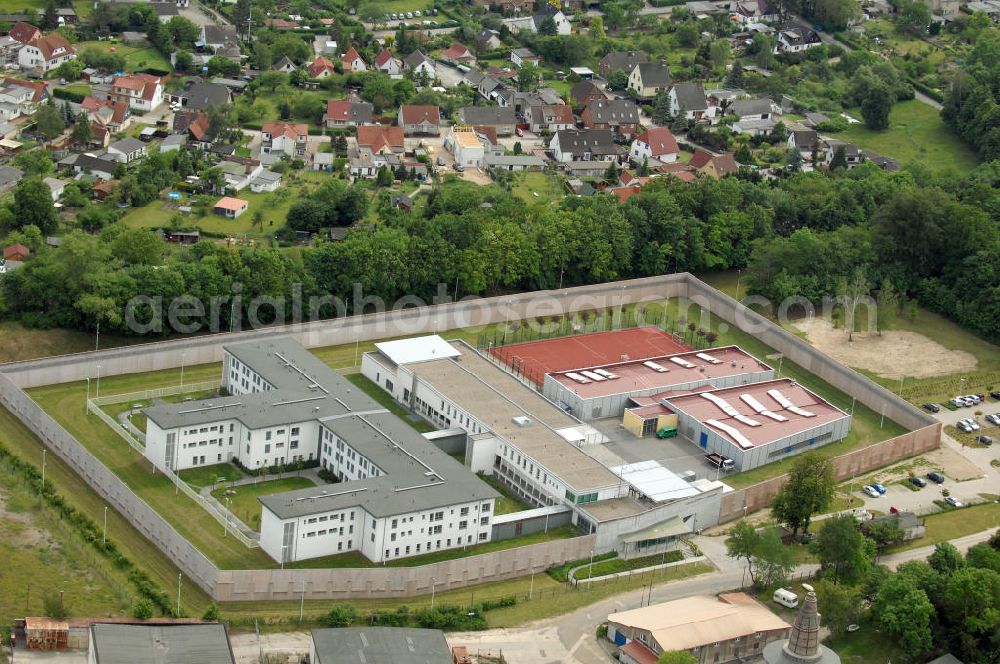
column 995, row 395
column 963, row 426
column 870, row 491
column 994, row 419
column 458, row 167
column 953, row 501
column 893, row 510
column 932, row 407
column 417, row 13
column 936, row 477
column 971, row 423
column 918, row 482
column 984, row 440
column 878, row 487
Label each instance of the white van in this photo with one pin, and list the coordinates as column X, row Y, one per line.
column 786, row 597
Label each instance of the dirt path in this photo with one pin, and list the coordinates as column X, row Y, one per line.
column 894, row 353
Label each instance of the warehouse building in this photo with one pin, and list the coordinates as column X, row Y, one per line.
column 375, row 645
column 162, row 643
column 759, row 423
column 399, row 494
column 607, row 390
column 539, row 450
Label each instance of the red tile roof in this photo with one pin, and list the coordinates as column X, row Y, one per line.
column 16, row 250
column 488, row 132
column 625, row 193
column 457, row 52
column 349, row 58
column 146, row 84
column 420, row 114
column 700, row 158
column 377, row 137
column 280, row 23
column 24, row 32
column 199, row 127
column 49, row 44
column 660, row 140
column 37, row 86
column 292, row 131
column 318, row 66
column 383, row 57
column 233, row 204
column 639, row 653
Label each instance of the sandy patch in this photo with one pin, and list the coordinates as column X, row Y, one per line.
column 893, row 353
column 19, row 528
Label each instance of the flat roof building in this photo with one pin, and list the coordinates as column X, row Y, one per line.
column 287, row 406
column 606, row 390
column 116, row 643
column 375, row 645
column 759, row 423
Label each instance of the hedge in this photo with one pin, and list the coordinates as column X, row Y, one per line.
column 68, row 95
column 666, row 3
column 561, row 572
column 90, row 532
column 278, row 467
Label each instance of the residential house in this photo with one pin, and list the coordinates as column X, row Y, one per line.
column 753, row 11
column 584, row 92
column 142, row 92
column 127, row 149
column 466, row 146
column 620, row 60
column 102, row 167
column 56, row 186
column 420, row 120
column 9, row 48
column 172, row 143
column 507, row 6
column 520, row 56
column 283, row 137
column 489, row 88
column 419, row 64
column 24, row 33
column 459, row 54
column 325, row 45
column 502, row 119
column 347, row 113
column 584, row 145
column 551, row 117
column 716, row 166
column 164, row 11
column 215, row 36
column 320, row 68
column 46, row 53
column 230, row 207
column 947, row 9
column 322, row 161
column 100, row 136
column 201, row 95
column 649, row 78
column 488, row 40
column 239, row 172
column 549, row 11
column 805, row 141
column 885, row 163
column 852, row 154
column 352, row 61
column 387, row 64
column 513, row 163
column 732, row 627
column 285, row 65
column 265, row 181
column 280, row 24
column 620, row 115
column 795, row 39
column 688, row 100
column 9, row 176
column 16, row 252
column 380, row 139
column 911, row 527
column 104, row 188
column 654, row 145
column 195, row 124
column 752, row 127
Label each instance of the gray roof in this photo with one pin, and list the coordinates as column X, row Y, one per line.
column 117, row 643
column 817, row 118
column 217, row 34
column 549, row 96
column 414, row 59
column 805, row 138
column 268, row 177
column 584, row 89
column 86, row 162
column 654, row 74
column 322, row 158
column 690, row 96
column 523, row 53
column 613, row 112
column 174, row 139
column 624, row 60
column 756, row 106
column 128, row 145
column 202, row 95
column 474, row 76
column 9, row 175
column 165, row 8
column 594, row 141
column 303, row 389
column 487, row 115
column 378, row 645
column 512, row 160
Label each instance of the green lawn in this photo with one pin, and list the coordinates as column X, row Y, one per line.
column 507, row 503
column 23, row 343
column 43, row 555
column 396, row 6
column 944, row 526
column 916, row 134
column 545, row 185
column 866, row 646
column 243, row 501
column 616, row 565
column 203, row 476
column 386, row 401
column 136, row 58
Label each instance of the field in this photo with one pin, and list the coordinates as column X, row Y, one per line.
column 243, row 503
column 546, row 186
column 396, row 6
column 23, row 343
column 949, row 525
column 274, row 206
column 916, row 134
column 136, row 57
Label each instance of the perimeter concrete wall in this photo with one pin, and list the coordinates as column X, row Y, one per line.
column 390, row 582
column 402, row 582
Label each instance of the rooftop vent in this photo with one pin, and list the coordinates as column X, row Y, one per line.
column 522, row 421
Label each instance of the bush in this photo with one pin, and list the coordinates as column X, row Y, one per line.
column 561, row 572
column 143, row 609
column 68, row 95
column 211, row 613
column 341, row 615
column 54, row 606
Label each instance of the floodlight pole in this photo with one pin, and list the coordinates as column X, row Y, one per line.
column 104, row 539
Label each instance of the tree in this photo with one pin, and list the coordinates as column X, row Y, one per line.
column 82, row 133
column 183, row 32
column 883, row 533
column 527, row 76
column 839, row 160
column 841, row 606
column 49, row 121
column 743, row 155
column 596, row 28
column 809, row 490
column 836, row 14
column 887, row 303
column 676, row 657
column 618, row 80
column 35, row 162
column 843, row 551
column 876, row 105
column 946, row 559
column 50, row 19
column 142, row 609
column 850, row 293
column 913, row 16
column 33, row 205
column 548, row 27
column 138, row 246
column 183, row 61
column 903, row 612
column 768, row 560
column 611, row 174
column 341, row 615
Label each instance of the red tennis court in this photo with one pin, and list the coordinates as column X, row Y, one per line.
column 534, row 359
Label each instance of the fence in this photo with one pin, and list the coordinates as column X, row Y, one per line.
column 226, row 585
column 156, row 393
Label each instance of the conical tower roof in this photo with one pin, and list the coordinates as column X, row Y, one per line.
column 803, row 640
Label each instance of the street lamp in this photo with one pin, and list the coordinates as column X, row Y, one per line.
column 86, row 410
column 104, row 538
column 98, row 396
column 738, row 279
column 182, row 369
column 433, row 588
column 225, row 525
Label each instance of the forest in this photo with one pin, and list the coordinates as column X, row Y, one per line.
column 934, row 238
